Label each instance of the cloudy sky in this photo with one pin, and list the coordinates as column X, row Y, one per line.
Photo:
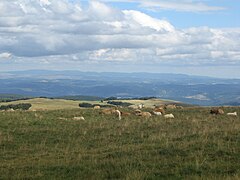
column 200, row 37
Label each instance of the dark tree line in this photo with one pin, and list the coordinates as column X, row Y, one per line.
column 22, row 106
column 119, row 103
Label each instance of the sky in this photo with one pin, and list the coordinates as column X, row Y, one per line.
column 196, row 37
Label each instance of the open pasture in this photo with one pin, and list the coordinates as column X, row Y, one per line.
column 50, row 144
column 51, row 104
column 56, row 104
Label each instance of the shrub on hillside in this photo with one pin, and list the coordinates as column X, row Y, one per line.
column 119, row 103
column 110, row 98
column 86, row 105
column 147, row 98
column 22, row 106
column 11, row 100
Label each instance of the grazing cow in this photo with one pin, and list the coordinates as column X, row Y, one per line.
column 232, row 114
column 140, row 106
column 118, row 114
column 79, row 118
column 137, row 111
column 157, row 113
column 170, row 106
column 111, row 111
column 144, row 114
column 180, row 107
column 107, row 111
column 216, row 111
column 168, row 116
column 97, row 107
column 161, row 110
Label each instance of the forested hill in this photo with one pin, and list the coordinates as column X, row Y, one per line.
column 74, row 84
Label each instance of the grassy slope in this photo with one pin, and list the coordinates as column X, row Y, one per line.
column 194, row 145
column 50, row 104
column 150, row 103
column 54, row 104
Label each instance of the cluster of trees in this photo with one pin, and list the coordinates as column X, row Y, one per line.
column 22, row 106
column 88, row 105
column 11, row 100
column 119, row 103
column 81, row 98
column 111, row 103
column 110, row 98
column 147, row 98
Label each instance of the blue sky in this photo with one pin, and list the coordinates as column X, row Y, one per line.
column 185, row 36
column 228, row 17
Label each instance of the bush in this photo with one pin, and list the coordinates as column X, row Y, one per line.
column 110, row 98
column 147, row 98
column 86, row 105
column 11, row 100
column 119, row 103
column 22, row 106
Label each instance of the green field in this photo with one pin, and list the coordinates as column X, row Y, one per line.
column 51, row 145
column 48, row 104
column 56, row 104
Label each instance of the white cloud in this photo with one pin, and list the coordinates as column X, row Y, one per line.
column 201, row 97
column 5, row 55
column 147, row 21
column 181, row 6
column 45, row 2
column 59, row 29
column 178, row 5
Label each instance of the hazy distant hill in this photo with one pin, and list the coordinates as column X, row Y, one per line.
column 189, row 89
column 12, row 97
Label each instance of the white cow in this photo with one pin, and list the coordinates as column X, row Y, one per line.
column 157, row 113
column 232, row 114
column 118, row 114
column 79, row 118
column 140, row 106
column 169, row 116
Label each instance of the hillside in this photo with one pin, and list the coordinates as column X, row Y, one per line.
column 73, row 85
column 54, row 104
column 12, row 97
column 52, row 145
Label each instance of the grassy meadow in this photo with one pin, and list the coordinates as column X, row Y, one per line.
column 49, row 144
column 57, row 104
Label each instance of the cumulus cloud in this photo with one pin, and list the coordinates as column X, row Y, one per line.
column 5, row 55
column 66, row 29
column 147, row 21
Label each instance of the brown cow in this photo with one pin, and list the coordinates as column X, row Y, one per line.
column 107, row 111
column 170, row 106
column 143, row 114
column 161, row 110
column 111, row 111
column 97, row 107
column 216, row 111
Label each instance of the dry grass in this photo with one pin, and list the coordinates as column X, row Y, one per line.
column 149, row 103
column 51, row 104
column 50, row 145
column 55, row 104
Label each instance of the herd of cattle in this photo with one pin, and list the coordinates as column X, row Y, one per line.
column 156, row 111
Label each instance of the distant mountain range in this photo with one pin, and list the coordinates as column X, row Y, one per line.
column 198, row 90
